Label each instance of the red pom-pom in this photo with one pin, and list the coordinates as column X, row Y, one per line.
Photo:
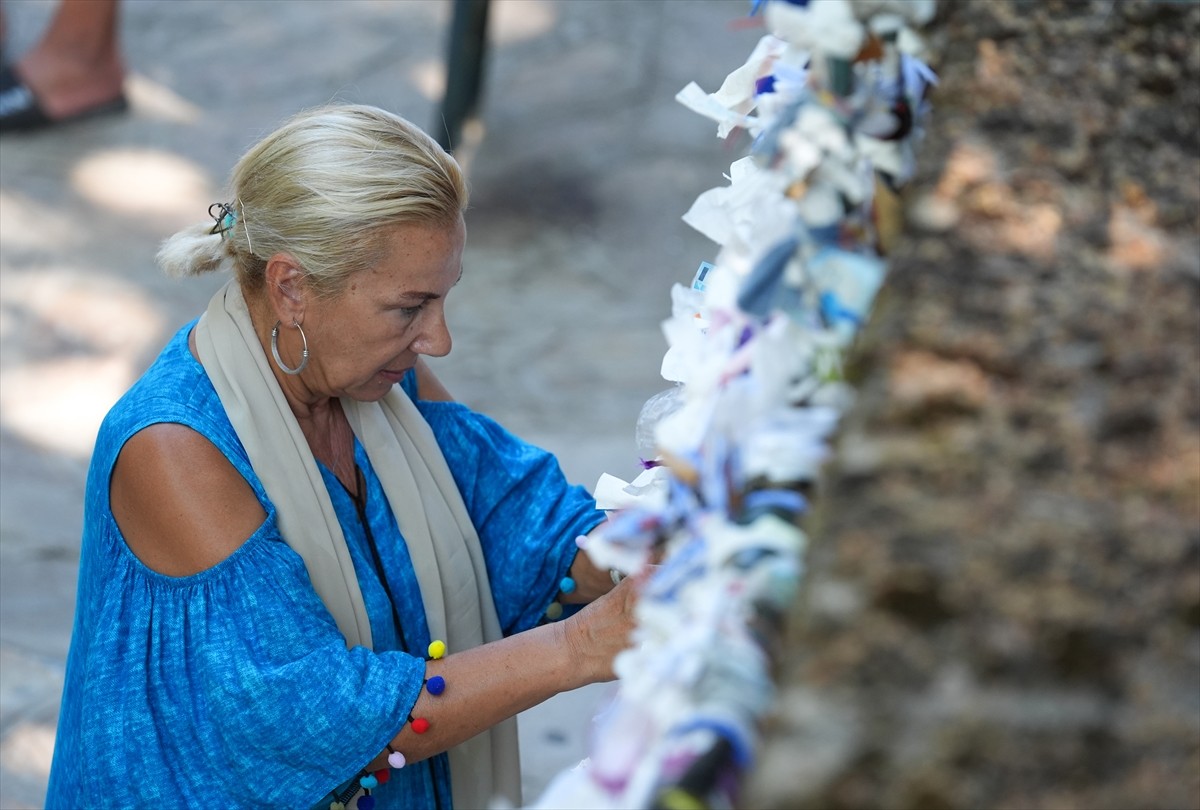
column 383, row 775
column 420, row 725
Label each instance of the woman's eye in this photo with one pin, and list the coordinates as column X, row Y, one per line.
column 411, row 312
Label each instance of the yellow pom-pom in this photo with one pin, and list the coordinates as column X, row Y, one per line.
column 677, row 799
column 437, row 649
column 554, row 611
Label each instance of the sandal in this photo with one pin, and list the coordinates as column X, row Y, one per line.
column 20, row 111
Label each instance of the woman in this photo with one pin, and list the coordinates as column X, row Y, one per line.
column 286, row 517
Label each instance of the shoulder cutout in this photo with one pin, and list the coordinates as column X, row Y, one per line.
column 181, row 506
column 429, row 387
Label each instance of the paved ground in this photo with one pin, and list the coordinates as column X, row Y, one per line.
column 582, row 173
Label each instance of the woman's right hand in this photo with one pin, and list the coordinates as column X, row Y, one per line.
column 603, row 628
column 502, row 678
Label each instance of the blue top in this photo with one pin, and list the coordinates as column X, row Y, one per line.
column 233, row 686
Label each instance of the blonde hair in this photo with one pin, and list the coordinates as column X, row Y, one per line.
column 320, row 189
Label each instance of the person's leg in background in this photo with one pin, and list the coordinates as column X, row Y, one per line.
column 75, row 69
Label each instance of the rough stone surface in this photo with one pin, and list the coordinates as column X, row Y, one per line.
column 1002, row 608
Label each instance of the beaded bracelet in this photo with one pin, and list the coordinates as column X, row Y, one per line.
column 369, row 780
column 434, row 686
column 567, row 585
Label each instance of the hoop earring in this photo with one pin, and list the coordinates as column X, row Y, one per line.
column 279, row 360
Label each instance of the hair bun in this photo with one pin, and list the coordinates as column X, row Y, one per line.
column 191, row 251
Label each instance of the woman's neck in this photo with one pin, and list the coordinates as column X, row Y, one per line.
column 320, row 417
column 331, row 440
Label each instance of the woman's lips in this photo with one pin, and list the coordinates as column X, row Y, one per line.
column 393, row 376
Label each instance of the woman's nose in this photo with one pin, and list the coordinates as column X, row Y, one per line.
column 435, row 340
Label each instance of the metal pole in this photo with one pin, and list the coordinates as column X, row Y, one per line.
column 464, row 70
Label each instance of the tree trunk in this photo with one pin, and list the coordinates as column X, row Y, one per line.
column 1002, row 603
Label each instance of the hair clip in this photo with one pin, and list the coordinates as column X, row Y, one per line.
column 223, row 218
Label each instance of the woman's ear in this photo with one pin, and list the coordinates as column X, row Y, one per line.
column 285, row 288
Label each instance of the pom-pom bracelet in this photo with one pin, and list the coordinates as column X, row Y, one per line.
column 555, row 611
column 567, row 586
column 369, row 780
column 366, row 782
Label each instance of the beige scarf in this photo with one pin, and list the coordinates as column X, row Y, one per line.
column 429, row 510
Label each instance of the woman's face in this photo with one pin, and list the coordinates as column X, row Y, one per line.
column 362, row 341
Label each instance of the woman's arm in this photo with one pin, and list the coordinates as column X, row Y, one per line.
column 183, row 508
column 591, row 582
column 428, row 385
column 180, row 505
column 495, row 681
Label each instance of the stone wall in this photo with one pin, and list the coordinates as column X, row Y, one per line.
column 1002, row 603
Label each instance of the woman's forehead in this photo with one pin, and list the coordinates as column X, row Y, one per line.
column 416, row 255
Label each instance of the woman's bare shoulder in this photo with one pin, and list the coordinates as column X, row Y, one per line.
column 182, row 507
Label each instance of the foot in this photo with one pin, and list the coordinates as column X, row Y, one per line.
column 67, row 85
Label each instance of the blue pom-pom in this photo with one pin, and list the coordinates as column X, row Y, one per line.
column 436, row 685
column 366, row 803
column 369, row 781
column 567, row 585
column 757, row 5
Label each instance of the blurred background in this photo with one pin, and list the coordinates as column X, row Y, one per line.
column 581, row 165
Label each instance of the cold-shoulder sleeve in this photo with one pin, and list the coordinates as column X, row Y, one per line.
column 230, row 687
column 525, row 511
column 240, row 676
